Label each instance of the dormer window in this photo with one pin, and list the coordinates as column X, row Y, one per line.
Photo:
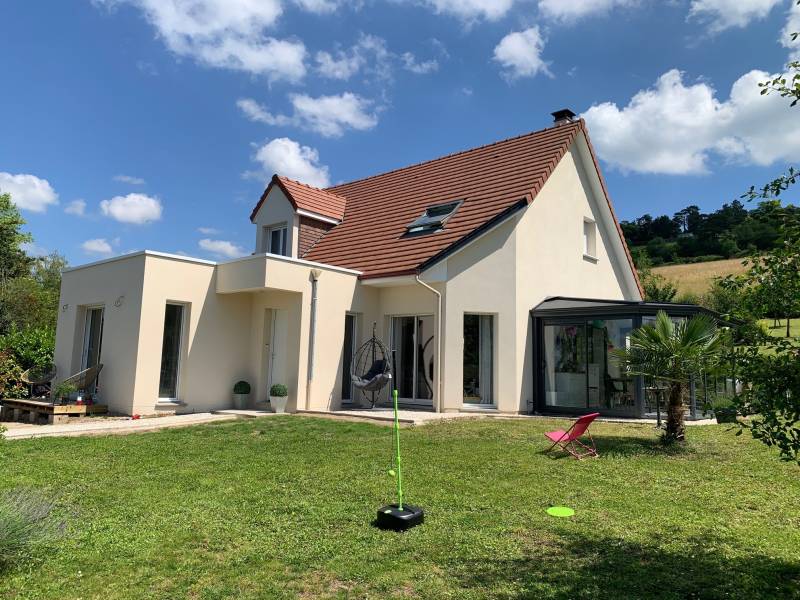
column 433, row 218
column 275, row 238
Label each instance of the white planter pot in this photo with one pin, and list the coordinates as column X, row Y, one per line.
column 241, row 401
column 278, row 403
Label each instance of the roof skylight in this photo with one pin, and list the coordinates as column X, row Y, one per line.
column 433, row 218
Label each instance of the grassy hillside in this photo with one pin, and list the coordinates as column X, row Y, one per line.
column 696, row 278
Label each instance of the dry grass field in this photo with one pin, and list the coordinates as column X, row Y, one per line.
column 696, row 278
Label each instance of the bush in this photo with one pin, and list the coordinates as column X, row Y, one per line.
column 64, row 390
column 25, row 519
column 30, row 347
column 658, row 288
column 278, row 390
column 10, row 372
column 241, row 387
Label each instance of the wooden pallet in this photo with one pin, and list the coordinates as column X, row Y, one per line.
column 34, row 411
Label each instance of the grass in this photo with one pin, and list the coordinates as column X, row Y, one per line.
column 696, row 278
column 780, row 330
column 281, row 508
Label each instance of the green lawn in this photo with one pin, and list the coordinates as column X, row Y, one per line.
column 281, row 507
column 780, row 330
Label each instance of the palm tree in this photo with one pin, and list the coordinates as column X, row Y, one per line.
column 673, row 353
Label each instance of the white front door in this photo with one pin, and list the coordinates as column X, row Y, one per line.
column 277, row 333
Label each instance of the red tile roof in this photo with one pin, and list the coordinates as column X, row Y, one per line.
column 306, row 197
column 490, row 180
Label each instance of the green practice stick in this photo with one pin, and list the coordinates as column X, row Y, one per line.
column 397, row 455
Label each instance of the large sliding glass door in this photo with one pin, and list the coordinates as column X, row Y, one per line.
column 579, row 368
column 412, row 338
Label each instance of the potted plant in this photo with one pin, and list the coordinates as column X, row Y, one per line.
column 278, row 396
column 63, row 392
column 724, row 410
column 241, row 395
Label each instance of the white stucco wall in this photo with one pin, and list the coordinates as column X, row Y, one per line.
column 536, row 254
column 106, row 284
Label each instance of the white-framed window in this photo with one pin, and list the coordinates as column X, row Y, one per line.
column 275, row 239
column 589, row 238
column 171, row 350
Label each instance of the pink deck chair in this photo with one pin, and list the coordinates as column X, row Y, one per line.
column 569, row 441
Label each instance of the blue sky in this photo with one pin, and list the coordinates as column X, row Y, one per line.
column 130, row 124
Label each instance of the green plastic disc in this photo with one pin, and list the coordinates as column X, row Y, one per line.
column 560, row 511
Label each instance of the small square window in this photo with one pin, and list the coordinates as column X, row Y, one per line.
column 589, row 238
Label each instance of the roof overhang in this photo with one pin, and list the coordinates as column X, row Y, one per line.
column 565, row 307
column 313, row 215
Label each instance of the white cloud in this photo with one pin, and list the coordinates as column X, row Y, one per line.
column 225, row 33
column 138, row 209
column 318, row 6
column 97, row 246
column 286, row 157
column 674, row 128
column 258, row 113
column 419, row 68
column 329, row 116
column 28, row 192
column 221, row 248
column 76, row 207
column 520, row 54
column 128, row 179
column 572, row 10
column 472, row 10
column 724, row 14
column 208, row 230
column 792, row 26
column 368, row 54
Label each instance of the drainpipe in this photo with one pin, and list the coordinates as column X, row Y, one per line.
column 312, row 334
column 438, row 341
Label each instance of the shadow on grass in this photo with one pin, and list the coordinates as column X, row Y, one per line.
column 638, row 446
column 577, row 566
column 610, row 445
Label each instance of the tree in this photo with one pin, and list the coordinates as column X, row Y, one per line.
column 13, row 260
column 771, row 397
column 769, row 367
column 673, row 353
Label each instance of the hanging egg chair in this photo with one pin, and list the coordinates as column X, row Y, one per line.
column 371, row 369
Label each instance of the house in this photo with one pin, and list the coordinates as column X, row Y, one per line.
column 447, row 259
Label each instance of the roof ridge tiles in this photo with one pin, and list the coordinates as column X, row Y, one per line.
column 575, row 126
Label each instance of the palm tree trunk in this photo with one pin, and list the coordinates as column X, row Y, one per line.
column 675, row 413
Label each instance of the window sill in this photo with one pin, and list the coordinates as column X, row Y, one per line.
column 590, row 258
column 164, row 402
column 479, row 407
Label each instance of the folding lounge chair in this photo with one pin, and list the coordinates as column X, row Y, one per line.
column 569, row 441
